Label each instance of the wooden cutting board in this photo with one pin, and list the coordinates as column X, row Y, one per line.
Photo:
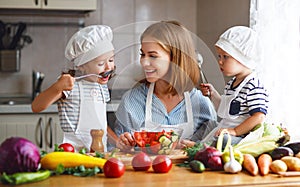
column 177, row 156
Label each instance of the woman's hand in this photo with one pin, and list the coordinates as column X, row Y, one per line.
column 186, row 143
column 125, row 141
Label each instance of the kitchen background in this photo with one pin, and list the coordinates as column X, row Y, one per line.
column 51, row 30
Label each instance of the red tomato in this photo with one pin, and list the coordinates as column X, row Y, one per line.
column 113, row 168
column 155, row 147
column 141, row 162
column 67, row 147
column 162, row 164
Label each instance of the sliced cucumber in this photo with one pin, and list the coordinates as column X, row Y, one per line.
column 164, row 141
column 174, row 138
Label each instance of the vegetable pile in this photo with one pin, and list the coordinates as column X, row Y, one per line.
column 264, row 150
column 156, row 142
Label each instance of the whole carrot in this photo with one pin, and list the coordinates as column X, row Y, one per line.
column 250, row 164
column 264, row 161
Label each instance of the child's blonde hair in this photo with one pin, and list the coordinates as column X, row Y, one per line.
column 175, row 39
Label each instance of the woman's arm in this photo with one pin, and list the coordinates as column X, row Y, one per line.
column 53, row 93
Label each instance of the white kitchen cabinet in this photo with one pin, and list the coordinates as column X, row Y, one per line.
column 42, row 129
column 84, row 5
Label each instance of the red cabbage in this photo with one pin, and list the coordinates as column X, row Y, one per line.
column 18, row 155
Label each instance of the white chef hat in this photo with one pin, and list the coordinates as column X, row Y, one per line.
column 89, row 43
column 241, row 43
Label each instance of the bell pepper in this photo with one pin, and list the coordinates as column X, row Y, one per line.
column 25, row 177
column 238, row 156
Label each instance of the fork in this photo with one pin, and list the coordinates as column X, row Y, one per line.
column 102, row 75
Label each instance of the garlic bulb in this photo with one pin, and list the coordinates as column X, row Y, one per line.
column 232, row 166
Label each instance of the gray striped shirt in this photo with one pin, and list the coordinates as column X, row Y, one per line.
column 69, row 108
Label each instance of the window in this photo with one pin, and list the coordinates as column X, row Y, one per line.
column 277, row 23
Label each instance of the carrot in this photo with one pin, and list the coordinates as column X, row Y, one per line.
column 264, row 161
column 250, row 164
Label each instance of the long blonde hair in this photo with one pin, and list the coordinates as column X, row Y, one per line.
column 175, row 39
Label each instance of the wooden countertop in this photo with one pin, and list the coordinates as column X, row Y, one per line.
column 178, row 176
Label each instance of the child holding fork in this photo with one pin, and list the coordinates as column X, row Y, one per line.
column 82, row 102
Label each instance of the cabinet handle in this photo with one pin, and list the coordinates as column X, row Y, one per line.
column 49, row 127
column 36, row 2
column 46, row 2
column 39, row 129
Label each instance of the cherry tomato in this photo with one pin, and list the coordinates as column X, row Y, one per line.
column 113, row 168
column 67, row 147
column 162, row 164
column 141, row 162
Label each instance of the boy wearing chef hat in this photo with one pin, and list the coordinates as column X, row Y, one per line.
column 82, row 101
column 244, row 103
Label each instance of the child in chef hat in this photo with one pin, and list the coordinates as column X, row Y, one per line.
column 82, row 101
column 244, row 103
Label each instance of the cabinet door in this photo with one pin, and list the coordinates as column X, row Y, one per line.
column 69, row 4
column 53, row 133
column 20, row 4
column 42, row 129
column 85, row 5
column 27, row 126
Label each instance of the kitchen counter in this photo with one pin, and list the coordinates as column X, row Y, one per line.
column 26, row 108
column 178, row 176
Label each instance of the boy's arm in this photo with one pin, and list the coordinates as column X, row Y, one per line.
column 53, row 93
column 208, row 90
column 248, row 124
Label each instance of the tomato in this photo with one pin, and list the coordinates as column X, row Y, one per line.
column 67, row 147
column 161, row 164
column 141, row 162
column 113, row 168
column 155, row 147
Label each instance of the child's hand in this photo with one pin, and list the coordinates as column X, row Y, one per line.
column 206, row 89
column 65, row 82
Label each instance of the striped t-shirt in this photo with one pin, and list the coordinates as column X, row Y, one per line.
column 69, row 107
column 252, row 98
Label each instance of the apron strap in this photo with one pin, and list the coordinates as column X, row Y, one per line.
column 148, row 111
column 188, row 106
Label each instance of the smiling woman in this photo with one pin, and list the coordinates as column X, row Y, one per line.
column 277, row 23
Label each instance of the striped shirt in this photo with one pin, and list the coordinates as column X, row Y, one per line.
column 131, row 111
column 252, row 97
column 69, row 108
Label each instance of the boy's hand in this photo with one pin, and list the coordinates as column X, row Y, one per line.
column 206, row 89
column 65, row 82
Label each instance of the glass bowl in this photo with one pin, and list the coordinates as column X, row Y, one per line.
column 162, row 140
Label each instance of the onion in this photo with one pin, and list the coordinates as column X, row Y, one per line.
column 18, row 155
column 210, row 157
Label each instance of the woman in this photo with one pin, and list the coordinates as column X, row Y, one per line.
column 168, row 95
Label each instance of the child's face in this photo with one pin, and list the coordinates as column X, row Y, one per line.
column 154, row 60
column 228, row 65
column 101, row 64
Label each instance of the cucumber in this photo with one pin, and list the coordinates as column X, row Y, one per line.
column 164, row 141
column 174, row 138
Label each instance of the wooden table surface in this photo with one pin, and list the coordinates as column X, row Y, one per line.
column 178, row 176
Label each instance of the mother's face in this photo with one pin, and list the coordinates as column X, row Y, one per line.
column 154, row 60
